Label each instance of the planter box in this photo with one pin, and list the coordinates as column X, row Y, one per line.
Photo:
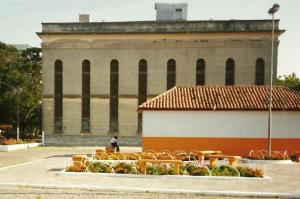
column 30, row 145
column 63, row 172
column 18, row 146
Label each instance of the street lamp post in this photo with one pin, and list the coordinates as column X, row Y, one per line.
column 18, row 112
column 271, row 11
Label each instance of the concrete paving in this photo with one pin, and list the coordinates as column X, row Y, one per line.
column 44, row 172
column 37, row 193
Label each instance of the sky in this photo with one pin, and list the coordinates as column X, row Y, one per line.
column 21, row 19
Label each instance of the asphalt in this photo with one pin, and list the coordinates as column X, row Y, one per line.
column 44, row 171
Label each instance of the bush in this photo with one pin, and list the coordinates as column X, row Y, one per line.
column 250, row 172
column 191, row 169
column 74, row 169
column 224, row 171
column 12, row 141
column 99, row 167
column 160, row 169
column 125, row 168
column 294, row 158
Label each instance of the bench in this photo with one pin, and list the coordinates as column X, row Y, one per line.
column 143, row 168
column 202, row 154
column 213, row 159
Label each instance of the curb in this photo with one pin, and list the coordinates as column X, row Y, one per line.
column 63, row 172
column 162, row 191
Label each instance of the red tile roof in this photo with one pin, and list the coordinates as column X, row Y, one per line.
column 227, row 98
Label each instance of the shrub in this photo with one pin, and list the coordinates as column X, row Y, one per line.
column 74, row 169
column 199, row 171
column 224, row 171
column 99, row 167
column 9, row 141
column 250, row 172
column 194, row 170
column 160, row 169
column 127, row 168
column 264, row 155
column 293, row 158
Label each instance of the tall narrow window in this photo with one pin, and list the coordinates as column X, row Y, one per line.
column 200, row 72
column 229, row 76
column 58, row 96
column 85, row 111
column 260, row 72
column 142, row 92
column 171, row 73
column 114, row 96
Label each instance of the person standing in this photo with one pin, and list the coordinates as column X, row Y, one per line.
column 114, row 143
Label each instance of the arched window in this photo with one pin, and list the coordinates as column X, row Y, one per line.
column 114, row 96
column 229, row 76
column 171, row 73
column 200, row 72
column 260, row 72
column 58, row 96
column 142, row 92
column 85, row 111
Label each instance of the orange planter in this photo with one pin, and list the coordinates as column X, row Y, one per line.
column 79, row 162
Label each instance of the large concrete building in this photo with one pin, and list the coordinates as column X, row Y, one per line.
column 95, row 74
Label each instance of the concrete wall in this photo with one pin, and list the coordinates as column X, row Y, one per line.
column 128, row 49
column 157, row 53
column 168, row 12
column 223, row 124
column 211, row 26
column 99, row 118
column 233, row 133
column 60, row 139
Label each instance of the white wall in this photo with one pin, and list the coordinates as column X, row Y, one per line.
column 243, row 124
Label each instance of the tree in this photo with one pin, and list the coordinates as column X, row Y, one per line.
column 290, row 81
column 20, row 71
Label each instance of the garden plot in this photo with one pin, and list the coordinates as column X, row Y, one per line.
column 142, row 165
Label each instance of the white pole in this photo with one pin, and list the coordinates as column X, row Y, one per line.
column 18, row 118
column 43, row 138
column 18, row 133
column 270, row 95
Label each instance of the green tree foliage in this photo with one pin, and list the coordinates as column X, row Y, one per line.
column 290, row 81
column 20, row 75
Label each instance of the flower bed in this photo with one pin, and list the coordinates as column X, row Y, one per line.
column 263, row 157
column 189, row 168
column 13, row 144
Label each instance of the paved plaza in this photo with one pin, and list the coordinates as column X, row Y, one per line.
column 37, row 171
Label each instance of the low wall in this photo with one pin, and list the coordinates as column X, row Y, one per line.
column 89, row 140
column 18, row 146
column 229, row 146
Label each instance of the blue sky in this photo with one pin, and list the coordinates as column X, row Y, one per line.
column 20, row 19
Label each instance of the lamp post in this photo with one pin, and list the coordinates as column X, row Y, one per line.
column 18, row 91
column 271, row 11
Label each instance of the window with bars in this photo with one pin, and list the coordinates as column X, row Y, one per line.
column 260, row 72
column 85, row 111
column 142, row 89
column 200, row 72
column 229, row 76
column 58, row 96
column 114, row 96
column 171, row 73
